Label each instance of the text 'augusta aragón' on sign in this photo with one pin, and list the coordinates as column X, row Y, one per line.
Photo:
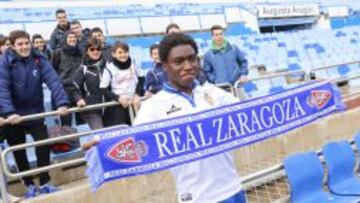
column 167, row 143
column 276, row 11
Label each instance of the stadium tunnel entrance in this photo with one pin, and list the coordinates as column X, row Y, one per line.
column 286, row 24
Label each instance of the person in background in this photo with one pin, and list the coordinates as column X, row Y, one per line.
column 39, row 44
column 172, row 28
column 66, row 61
column 82, row 34
column 106, row 49
column 121, row 81
column 23, row 70
column 57, row 38
column 87, row 83
column 4, row 44
column 156, row 77
column 224, row 62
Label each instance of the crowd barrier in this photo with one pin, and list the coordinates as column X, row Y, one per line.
column 255, row 178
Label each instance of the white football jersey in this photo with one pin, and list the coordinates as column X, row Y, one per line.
column 209, row 180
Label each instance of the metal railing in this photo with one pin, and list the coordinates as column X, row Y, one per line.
column 240, row 94
column 307, row 73
column 4, row 169
column 227, row 86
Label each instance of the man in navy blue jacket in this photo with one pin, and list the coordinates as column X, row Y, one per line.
column 224, row 63
column 23, row 70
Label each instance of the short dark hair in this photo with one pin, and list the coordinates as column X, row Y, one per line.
column 120, row 45
column 170, row 26
column 3, row 40
column 97, row 29
column 15, row 34
column 93, row 42
column 75, row 22
column 60, row 10
column 152, row 47
column 173, row 40
column 216, row 27
column 36, row 36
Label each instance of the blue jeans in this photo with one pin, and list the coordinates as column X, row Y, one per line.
column 237, row 198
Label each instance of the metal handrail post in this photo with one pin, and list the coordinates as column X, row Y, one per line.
column 3, row 183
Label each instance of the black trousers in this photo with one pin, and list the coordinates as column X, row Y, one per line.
column 15, row 135
column 116, row 115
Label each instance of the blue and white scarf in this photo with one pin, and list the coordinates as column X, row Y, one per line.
column 160, row 145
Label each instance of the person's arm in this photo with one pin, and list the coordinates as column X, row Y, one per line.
column 105, row 82
column 52, row 80
column 208, row 68
column 242, row 61
column 221, row 96
column 78, row 81
column 55, row 61
column 6, row 104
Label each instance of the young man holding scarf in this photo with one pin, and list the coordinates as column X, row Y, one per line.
column 210, row 180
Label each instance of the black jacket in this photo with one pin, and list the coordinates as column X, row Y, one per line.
column 84, row 39
column 106, row 52
column 57, row 38
column 66, row 65
column 21, row 81
column 87, row 82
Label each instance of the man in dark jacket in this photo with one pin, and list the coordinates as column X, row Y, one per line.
column 97, row 32
column 66, row 61
column 57, row 38
column 224, row 63
column 39, row 44
column 82, row 35
column 23, row 71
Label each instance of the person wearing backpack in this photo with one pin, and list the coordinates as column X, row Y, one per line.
column 123, row 82
column 87, row 83
column 23, row 70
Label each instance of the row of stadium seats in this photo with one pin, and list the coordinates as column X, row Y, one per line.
column 306, row 183
column 11, row 15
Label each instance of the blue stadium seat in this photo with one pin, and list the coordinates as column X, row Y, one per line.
column 305, row 175
column 293, row 67
column 292, row 53
column 340, row 159
column 343, row 70
column 276, row 89
column 281, row 44
column 249, row 87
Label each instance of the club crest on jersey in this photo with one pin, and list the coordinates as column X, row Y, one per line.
column 128, row 151
column 319, row 98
